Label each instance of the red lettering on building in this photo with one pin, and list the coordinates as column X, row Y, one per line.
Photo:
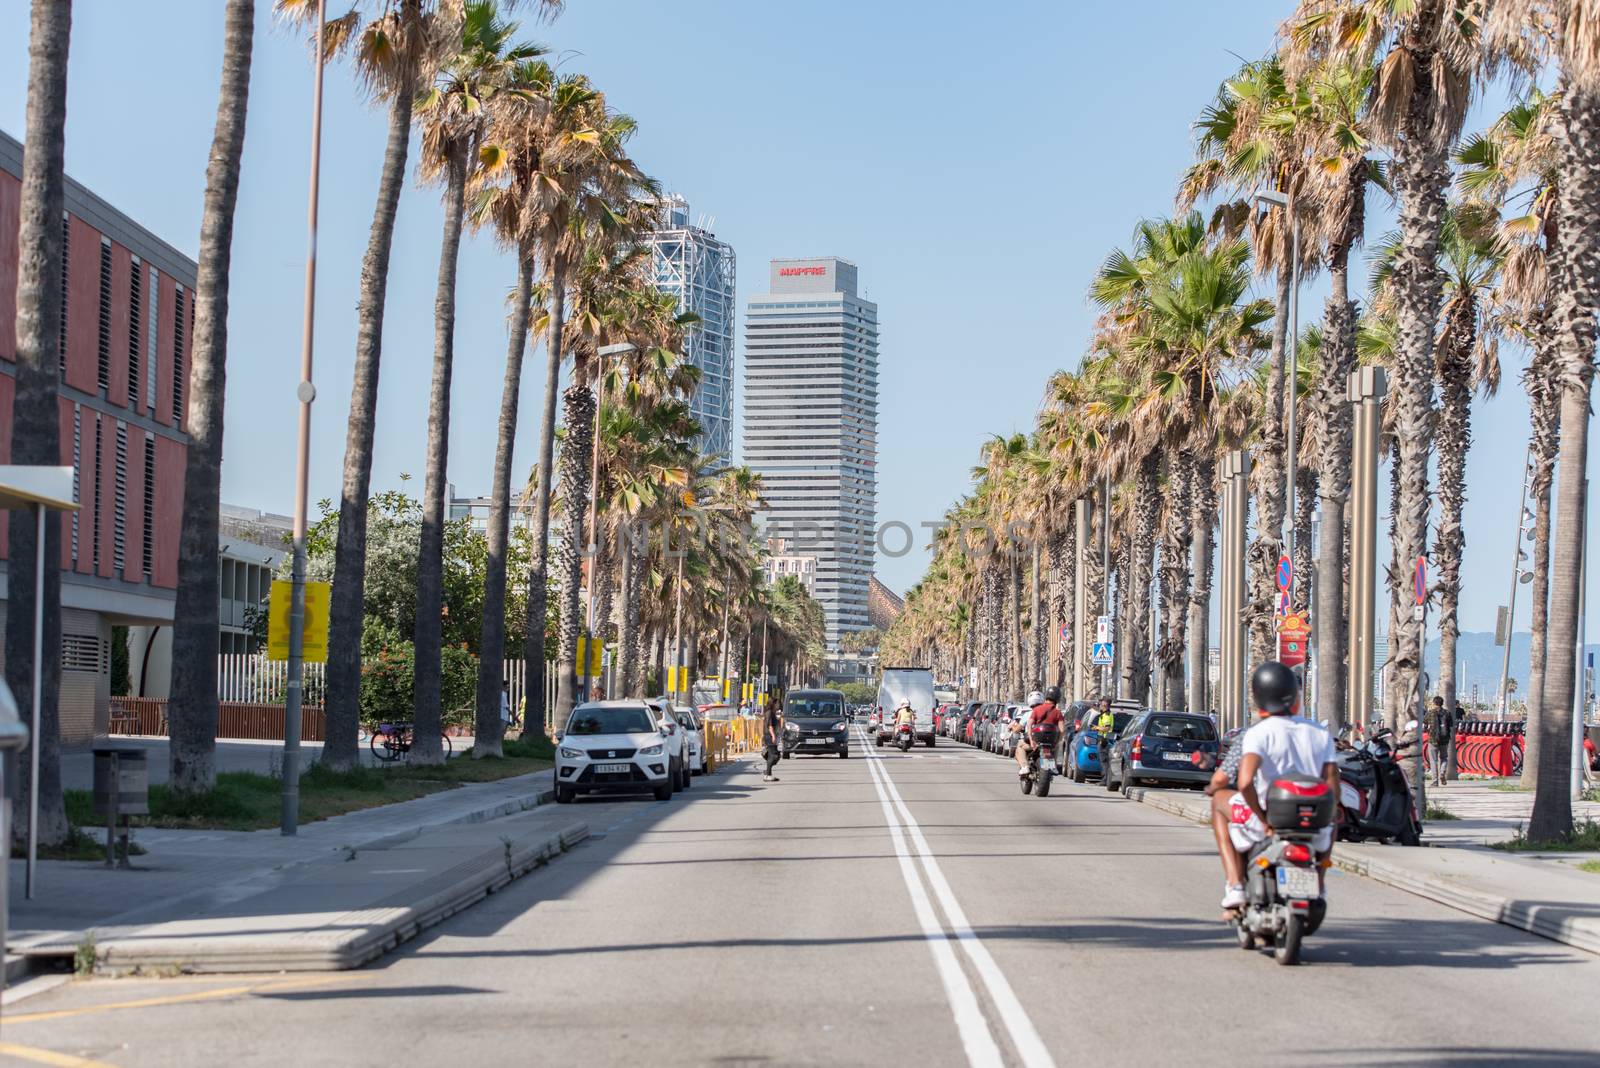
column 786, row 271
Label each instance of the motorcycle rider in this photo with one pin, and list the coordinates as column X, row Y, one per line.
column 1042, row 713
column 905, row 714
column 1281, row 743
column 1221, row 789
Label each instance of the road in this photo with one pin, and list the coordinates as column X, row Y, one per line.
column 886, row 909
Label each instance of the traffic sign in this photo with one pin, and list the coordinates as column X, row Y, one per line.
column 1419, row 580
column 1102, row 629
column 1283, row 602
column 1066, row 632
column 1101, row 654
column 1285, row 572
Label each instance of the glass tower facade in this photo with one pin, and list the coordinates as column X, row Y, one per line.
column 691, row 264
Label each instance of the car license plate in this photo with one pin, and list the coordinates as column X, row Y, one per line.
column 817, row 741
column 1297, row 882
column 1177, row 756
column 611, row 769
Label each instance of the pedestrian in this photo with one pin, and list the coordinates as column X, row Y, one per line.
column 1441, row 728
column 772, row 739
column 505, row 707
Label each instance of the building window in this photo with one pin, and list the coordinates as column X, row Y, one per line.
column 94, row 523
column 77, row 476
column 178, row 320
column 135, row 313
column 150, row 362
column 103, row 340
column 119, row 503
column 66, row 246
column 80, row 652
column 147, row 553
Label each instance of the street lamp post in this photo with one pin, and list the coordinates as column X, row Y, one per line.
column 594, row 500
column 1519, row 575
column 306, row 393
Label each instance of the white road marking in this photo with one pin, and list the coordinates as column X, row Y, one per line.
column 1024, row 1035
column 975, row 1037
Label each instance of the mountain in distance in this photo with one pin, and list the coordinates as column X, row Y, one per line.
column 1479, row 660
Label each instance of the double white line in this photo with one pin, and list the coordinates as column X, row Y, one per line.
column 976, row 1035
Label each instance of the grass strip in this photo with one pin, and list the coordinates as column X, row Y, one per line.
column 1585, row 839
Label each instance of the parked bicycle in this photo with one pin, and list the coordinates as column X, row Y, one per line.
column 391, row 741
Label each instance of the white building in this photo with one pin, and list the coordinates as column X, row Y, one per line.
column 691, row 264
column 810, row 425
column 781, row 562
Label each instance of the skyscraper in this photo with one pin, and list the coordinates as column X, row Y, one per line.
column 691, row 264
column 811, row 425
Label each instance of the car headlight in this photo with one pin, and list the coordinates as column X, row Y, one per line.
column 841, row 725
column 571, row 754
column 651, row 750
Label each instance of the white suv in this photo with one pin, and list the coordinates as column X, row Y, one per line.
column 615, row 747
column 676, row 737
column 694, row 737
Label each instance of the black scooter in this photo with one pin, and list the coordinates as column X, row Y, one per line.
column 1042, row 765
column 1375, row 795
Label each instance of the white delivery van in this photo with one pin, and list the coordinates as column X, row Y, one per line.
column 899, row 684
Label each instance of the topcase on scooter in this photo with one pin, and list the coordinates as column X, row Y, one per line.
column 1299, row 803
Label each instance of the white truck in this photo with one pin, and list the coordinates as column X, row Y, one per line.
column 898, row 685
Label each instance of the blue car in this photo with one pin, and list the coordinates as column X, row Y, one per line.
column 1083, row 756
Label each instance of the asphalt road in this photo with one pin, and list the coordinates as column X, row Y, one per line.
column 886, row 909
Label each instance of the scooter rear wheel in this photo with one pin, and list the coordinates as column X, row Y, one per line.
column 1044, row 784
column 1287, row 950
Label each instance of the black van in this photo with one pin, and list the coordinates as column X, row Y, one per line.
column 815, row 722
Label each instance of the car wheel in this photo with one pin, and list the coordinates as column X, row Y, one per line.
column 564, row 795
column 688, row 777
column 844, row 754
column 1106, row 779
column 1128, row 783
column 929, row 743
column 663, row 792
column 786, row 756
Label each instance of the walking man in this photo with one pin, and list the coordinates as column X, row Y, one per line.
column 1441, row 729
column 772, row 741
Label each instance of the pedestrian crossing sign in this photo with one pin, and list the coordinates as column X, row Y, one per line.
column 1101, row 654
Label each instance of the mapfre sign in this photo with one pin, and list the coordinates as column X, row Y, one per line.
column 787, row 272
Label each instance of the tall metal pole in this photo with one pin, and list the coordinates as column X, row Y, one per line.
column 1516, row 575
column 1578, row 757
column 1366, row 389
column 1105, row 570
column 1292, row 358
column 307, row 393
column 1080, row 583
column 594, row 523
column 38, row 686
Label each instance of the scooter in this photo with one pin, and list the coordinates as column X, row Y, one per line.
column 1283, row 885
column 1375, row 794
column 905, row 736
column 1041, row 763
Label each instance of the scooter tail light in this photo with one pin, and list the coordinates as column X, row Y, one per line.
column 1297, row 854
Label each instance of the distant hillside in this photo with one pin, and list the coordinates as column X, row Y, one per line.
column 1480, row 658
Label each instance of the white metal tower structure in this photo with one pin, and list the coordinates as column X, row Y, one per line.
column 691, row 264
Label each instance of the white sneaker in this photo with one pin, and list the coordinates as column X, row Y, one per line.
column 1233, row 897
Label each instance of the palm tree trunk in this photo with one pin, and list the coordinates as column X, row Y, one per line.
column 1330, row 635
column 346, row 605
column 1176, row 563
column 1204, row 512
column 1267, row 475
column 1544, row 440
column 492, row 638
column 1094, row 585
column 578, row 412
column 35, row 411
column 1141, row 563
column 1058, row 553
column 1305, row 507
column 428, row 717
column 1454, row 430
column 1576, row 291
column 604, row 580
column 1014, row 598
column 533, row 653
column 1038, row 633
column 196, row 637
column 628, row 640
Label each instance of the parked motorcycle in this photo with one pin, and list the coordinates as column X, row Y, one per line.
column 905, row 736
column 1375, row 795
column 1283, row 885
column 1041, row 763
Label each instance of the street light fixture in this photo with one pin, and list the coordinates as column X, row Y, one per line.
column 603, row 352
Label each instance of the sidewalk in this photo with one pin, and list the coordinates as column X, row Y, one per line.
column 240, row 754
column 1485, row 814
column 200, row 874
column 1542, row 893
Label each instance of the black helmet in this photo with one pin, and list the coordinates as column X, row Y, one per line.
column 1052, row 694
column 1274, row 688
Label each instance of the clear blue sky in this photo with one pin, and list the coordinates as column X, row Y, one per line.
column 976, row 161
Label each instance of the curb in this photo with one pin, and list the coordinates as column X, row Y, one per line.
column 349, row 939
column 1546, row 921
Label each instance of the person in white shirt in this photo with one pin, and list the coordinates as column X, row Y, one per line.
column 1282, row 743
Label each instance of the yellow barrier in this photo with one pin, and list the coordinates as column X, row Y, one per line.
column 726, row 738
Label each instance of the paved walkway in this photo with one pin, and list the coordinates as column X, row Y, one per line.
column 1484, row 814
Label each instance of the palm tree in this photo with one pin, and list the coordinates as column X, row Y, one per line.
column 36, row 417
column 196, row 634
column 485, row 66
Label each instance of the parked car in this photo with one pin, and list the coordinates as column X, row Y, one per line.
column 1160, row 747
column 1083, row 754
column 694, row 737
column 677, row 743
column 613, row 747
column 814, row 722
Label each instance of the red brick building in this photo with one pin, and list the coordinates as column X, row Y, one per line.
column 128, row 322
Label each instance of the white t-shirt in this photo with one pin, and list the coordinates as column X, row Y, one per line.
column 1287, row 745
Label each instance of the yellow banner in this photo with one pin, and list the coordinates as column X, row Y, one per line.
column 314, row 641
column 590, row 653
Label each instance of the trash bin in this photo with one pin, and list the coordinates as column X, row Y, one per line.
column 121, row 782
